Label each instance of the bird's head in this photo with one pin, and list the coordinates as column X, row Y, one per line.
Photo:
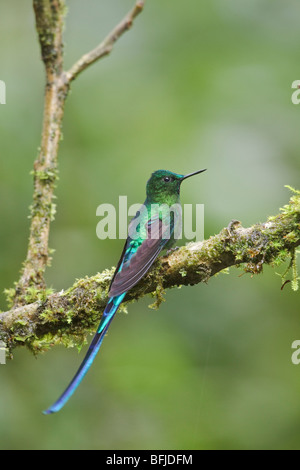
column 164, row 186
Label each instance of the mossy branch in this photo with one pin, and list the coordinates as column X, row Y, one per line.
column 49, row 24
column 66, row 317
column 49, row 17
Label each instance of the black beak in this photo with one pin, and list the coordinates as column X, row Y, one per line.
column 192, row 174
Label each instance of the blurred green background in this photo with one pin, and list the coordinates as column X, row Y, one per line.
column 192, row 85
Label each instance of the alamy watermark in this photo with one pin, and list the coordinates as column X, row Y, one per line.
column 296, row 94
column 114, row 222
column 296, row 354
column 2, row 353
column 2, row 92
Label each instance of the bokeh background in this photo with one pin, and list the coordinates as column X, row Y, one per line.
column 192, row 85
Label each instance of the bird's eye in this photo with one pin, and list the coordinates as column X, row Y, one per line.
column 167, row 179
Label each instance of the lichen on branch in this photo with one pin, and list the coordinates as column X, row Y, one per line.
column 67, row 317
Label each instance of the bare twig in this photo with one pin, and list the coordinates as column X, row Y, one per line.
column 107, row 45
column 66, row 317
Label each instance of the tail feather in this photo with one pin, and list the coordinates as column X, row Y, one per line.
column 106, row 320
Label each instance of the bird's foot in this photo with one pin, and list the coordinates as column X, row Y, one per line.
column 231, row 227
column 171, row 250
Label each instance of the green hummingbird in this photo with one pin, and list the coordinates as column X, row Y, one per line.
column 154, row 228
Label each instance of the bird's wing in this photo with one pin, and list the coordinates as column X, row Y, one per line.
column 139, row 255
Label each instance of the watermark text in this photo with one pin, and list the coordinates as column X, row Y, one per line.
column 2, row 353
column 296, row 354
column 113, row 222
column 296, row 94
column 2, row 92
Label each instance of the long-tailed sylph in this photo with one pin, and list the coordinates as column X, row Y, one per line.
column 149, row 232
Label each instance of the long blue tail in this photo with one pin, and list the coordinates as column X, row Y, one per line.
column 108, row 314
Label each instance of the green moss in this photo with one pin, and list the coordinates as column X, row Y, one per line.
column 159, row 297
column 183, row 272
column 46, row 176
column 10, row 296
column 69, row 315
column 52, row 211
column 33, row 294
column 48, row 316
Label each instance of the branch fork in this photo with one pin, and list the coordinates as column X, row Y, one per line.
column 49, row 16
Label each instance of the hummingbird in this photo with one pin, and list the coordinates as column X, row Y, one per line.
column 152, row 230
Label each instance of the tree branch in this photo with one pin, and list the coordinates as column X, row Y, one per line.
column 49, row 24
column 66, row 317
column 49, row 17
column 107, row 45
